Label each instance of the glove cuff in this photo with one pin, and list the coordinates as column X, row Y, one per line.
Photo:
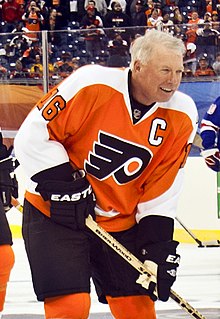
column 154, row 229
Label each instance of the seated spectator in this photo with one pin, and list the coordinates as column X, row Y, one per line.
column 29, row 56
column 190, row 33
column 195, row 19
column 20, row 40
column 216, row 64
column 207, row 17
column 206, row 40
column 118, row 52
column 189, row 60
column 63, row 65
column 187, row 72
column 3, row 72
column 93, row 36
column 203, row 68
column 36, row 69
column 19, row 71
column 215, row 21
column 20, row 28
column 215, row 16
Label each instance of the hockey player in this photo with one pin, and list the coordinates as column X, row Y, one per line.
column 8, row 187
column 209, row 132
column 129, row 131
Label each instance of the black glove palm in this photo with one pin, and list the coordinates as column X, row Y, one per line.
column 71, row 202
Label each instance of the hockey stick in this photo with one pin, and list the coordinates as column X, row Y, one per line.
column 211, row 243
column 137, row 264
column 129, row 257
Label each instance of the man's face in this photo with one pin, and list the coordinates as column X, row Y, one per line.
column 117, row 6
column 157, row 80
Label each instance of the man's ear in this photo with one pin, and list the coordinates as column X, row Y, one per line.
column 137, row 66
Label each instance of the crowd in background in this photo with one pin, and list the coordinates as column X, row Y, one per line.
column 102, row 31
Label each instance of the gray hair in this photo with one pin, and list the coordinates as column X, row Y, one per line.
column 142, row 48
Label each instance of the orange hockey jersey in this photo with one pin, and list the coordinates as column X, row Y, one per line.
column 135, row 170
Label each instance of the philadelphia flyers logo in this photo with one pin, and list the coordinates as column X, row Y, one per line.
column 116, row 157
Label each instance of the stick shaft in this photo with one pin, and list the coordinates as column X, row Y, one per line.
column 137, row 264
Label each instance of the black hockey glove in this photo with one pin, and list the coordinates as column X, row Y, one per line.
column 160, row 257
column 8, row 181
column 71, row 201
column 164, row 255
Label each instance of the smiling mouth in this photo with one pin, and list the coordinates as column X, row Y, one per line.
column 166, row 90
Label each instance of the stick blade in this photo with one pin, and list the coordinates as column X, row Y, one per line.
column 211, row 243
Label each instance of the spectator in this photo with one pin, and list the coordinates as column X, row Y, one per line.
column 76, row 10
column 206, row 40
column 215, row 16
column 177, row 16
column 100, row 6
column 20, row 40
column 3, row 72
column 45, row 13
column 215, row 21
column 116, row 19
column 207, row 17
column 131, row 6
column 63, row 66
column 37, row 67
column 203, row 68
column 150, row 7
column 11, row 15
column 58, row 21
column 154, row 19
column 195, row 19
column 216, row 64
column 118, row 52
column 191, row 33
column 33, row 20
column 93, row 24
column 29, row 56
column 19, row 72
column 138, row 17
column 189, row 60
column 165, row 24
column 123, row 4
